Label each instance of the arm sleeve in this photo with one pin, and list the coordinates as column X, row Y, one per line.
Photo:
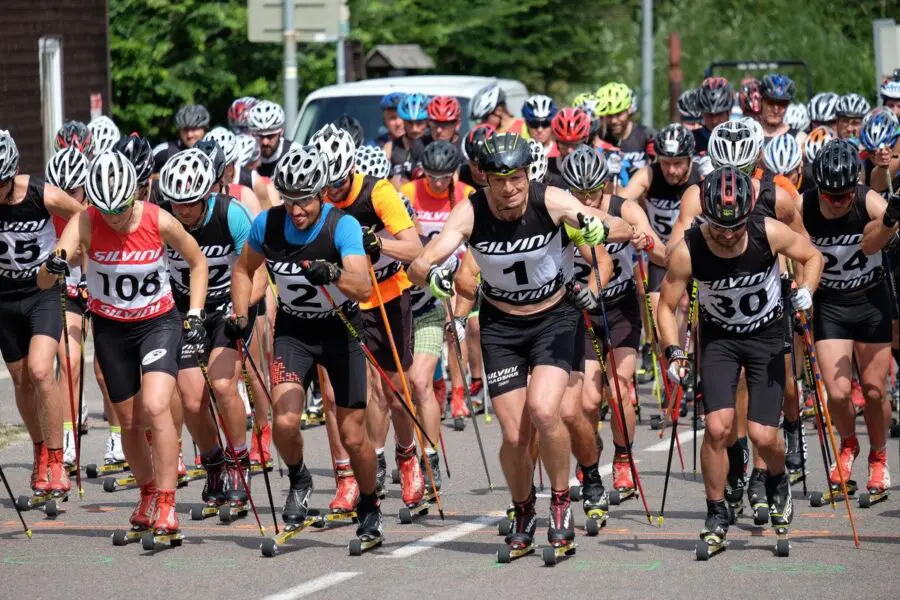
column 390, row 208
column 239, row 224
column 258, row 231
column 348, row 237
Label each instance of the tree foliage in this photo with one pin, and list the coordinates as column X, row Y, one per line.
column 169, row 52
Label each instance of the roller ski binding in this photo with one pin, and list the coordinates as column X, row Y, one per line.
column 269, row 547
column 260, row 456
column 416, row 500
column 506, row 526
column 314, row 413
column 877, row 488
column 520, row 541
column 236, row 505
column 595, row 501
column 561, row 532
column 756, row 496
column 165, row 528
column 623, row 484
column 734, row 496
column 849, row 452
column 712, row 536
column 141, row 519
column 458, row 408
column 381, row 474
column 795, row 450
column 781, row 511
column 213, row 494
column 370, row 532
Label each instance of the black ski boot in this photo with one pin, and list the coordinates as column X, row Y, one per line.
column 712, row 536
column 561, row 531
column 235, row 494
column 645, row 372
column 435, row 461
column 756, row 496
column 214, row 489
column 380, row 474
column 296, row 506
column 734, row 496
column 522, row 535
column 595, row 501
column 368, row 512
column 795, row 449
column 781, row 510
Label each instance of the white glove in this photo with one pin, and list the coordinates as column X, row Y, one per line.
column 801, row 299
column 704, row 165
column 460, row 329
column 614, row 163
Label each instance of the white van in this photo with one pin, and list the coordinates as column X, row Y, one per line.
column 360, row 99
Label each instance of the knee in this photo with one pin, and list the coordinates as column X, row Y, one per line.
column 21, row 379
column 353, row 435
column 192, row 403
column 41, row 374
column 763, row 436
column 224, row 387
column 717, row 433
column 421, row 384
column 517, row 440
column 546, row 417
column 287, row 422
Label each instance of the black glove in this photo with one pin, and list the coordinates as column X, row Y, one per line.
column 582, row 296
column 56, row 263
column 237, row 327
column 371, row 244
column 892, row 212
column 82, row 287
column 679, row 365
column 321, row 272
column 194, row 330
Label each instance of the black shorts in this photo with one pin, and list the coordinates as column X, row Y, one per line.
column 23, row 318
column 867, row 321
column 126, row 351
column 655, row 276
column 579, row 355
column 215, row 338
column 513, row 345
column 624, row 323
column 760, row 354
column 75, row 304
column 788, row 315
column 301, row 344
column 400, row 318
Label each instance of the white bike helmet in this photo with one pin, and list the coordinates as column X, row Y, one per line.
column 486, row 100
column 226, row 141
column 67, row 169
column 539, row 108
column 821, row 107
column 301, row 173
column 736, row 144
column 817, row 138
column 266, row 118
column 111, row 182
column 106, row 134
column 890, row 89
column 371, row 160
column 782, row 154
column 537, row 169
column 338, row 147
column 852, row 106
column 248, row 151
column 9, row 156
column 796, row 116
column 186, row 177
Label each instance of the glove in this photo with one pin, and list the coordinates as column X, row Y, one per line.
column 679, row 364
column 593, row 229
column 195, row 332
column 456, row 327
column 321, row 272
column 440, row 282
column 237, row 327
column 614, row 163
column 892, row 212
column 56, row 263
column 704, row 166
column 801, row 299
column 82, row 287
column 371, row 244
column 582, row 296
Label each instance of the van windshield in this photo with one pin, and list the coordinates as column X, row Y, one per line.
column 364, row 108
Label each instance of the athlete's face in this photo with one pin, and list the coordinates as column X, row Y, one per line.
column 191, row 136
column 443, row 130
column 893, row 104
column 509, row 192
column 438, row 183
column 228, row 174
column 304, row 212
column 268, row 142
column 393, row 123
column 540, row 131
column 692, row 125
column 772, row 113
column 592, row 198
column 190, row 214
column 848, row 127
column 675, row 170
column 120, row 222
column 710, row 120
column 339, row 192
column 415, row 129
column 567, row 148
column 727, row 238
column 618, row 123
column 837, row 204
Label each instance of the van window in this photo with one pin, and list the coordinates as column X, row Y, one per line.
column 364, row 108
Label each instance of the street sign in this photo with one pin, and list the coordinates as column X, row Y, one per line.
column 314, row 20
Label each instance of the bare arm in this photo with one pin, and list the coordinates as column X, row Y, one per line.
column 565, row 208
column 354, row 281
column 637, row 218
column 673, row 288
column 405, row 248
column 174, row 235
column 60, row 204
column 798, row 248
column 243, row 281
column 456, row 230
column 249, row 199
column 637, row 187
column 876, row 235
column 76, row 234
column 690, row 209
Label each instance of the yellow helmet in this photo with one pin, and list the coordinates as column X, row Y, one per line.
column 613, row 98
column 587, row 102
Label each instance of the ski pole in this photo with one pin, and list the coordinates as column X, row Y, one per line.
column 85, row 320
column 214, row 404
column 457, row 352
column 444, row 452
column 257, row 432
column 407, row 396
column 820, row 424
column 811, row 349
column 13, row 500
column 63, row 301
column 695, row 367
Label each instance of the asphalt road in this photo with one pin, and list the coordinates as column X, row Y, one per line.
column 72, row 556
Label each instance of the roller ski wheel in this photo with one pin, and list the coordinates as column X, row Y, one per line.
column 395, row 476
column 201, row 512
column 459, row 423
column 796, row 476
column 93, row 471
column 552, row 554
column 507, row 554
column 112, row 484
column 782, row 543
column 596, row 520
column 505, row 527
column 656, row 422
column 873, row 496
column 834, row 494
column 45, row 502
column 761, row 514
column 709, row 546
column 228, row 513
column 408, row 512
column 575, row 493
column 191, row 475
column 269, row 546
column 357, row 546
column 152, row 540
column 616, row 497
column 123, row 537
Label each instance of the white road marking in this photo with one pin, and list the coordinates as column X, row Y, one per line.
column 313, row 585
column 4, row 374
column 683, row 437
column 440, row 538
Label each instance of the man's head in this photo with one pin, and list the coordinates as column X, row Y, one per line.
column 440, row 161
column 443, row 117
column 538, row 111
column 727, row 197
column 716, row 100
column 192, row 121
column 488, row 105
column 185, row 181
column 821, row 109
column 110, row 188
column 777, row 91
column 266, row 124
column 571, row 128
column 585, row 173
column 850, row 110
column 749, row 97
column 688, row 105
column 392, row 121
column 300, row 178
column 413, row 109
column 504, row 159
column 675, row 148
column 836, row 173
column 890, row 95
column 614, row 103
column 338, row 149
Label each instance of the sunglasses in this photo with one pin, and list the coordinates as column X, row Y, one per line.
column 539, row 124
column 118, row 211
column 298, row 200
column 725, row 228
column 339, row 183
column 838, row 197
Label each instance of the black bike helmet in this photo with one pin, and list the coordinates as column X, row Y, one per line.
column 211, row 149
column 192, row 116
column 351, row 126
column 441, row 157
column 475, row 140
column 716, row 96
column 779, row 88
column 727, row 196
column 836, row 167
column 504, row 154
column 689, row 105
column 74, row 134
column 675, row 141
column 139, row 152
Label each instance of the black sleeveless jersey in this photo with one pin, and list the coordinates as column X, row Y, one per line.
column 701, row 139
column 664, row 199
column 766, row 197
column 465, row 175
column 162, row 153
column 27, row 237
column 621, row 283
column 739, row 295
column 407, row 162
column 634, row 147
column 266, row 166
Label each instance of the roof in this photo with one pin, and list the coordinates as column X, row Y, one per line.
column 463, row 86
column 399, row 56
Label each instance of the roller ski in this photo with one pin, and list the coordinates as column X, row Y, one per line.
column 213, row 494
column 623, row 484
column 113, row 460
column 878, row 486
column 595, row 501
column 236, row 504
column 712, row 536
column 734, row 496
column 270, row 545
column 506, row 526
column 165, row 527
column 756, row 496
column 846, row 458
column 314, row 413
column 93, row 471
column 346, row 497
column 795, row 451
column 260, row 456
column 44, row 501
column 51, row 489
column 370, row 532
column 141, row 518
column 417, row 501
column 781, row 511
column 561, row 533
column 520, row 541
column 458, row 409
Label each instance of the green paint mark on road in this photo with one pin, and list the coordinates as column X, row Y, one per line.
column 53, row 559
column 789, row 569
column 196, row 563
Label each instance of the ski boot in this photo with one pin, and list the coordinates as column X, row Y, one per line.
column 505, row 527
column 296, row 506
column 476, row 394
column 435, row 461
column 521, row 540
column 141, row 518
column 314, row 413
column 41, row 496
column 85, row 424
column 346, row 497
column 237, row 471
column 412, row 486
column 734, row 496
column 113, row 459
column 595, row 501
column 458, row 408
column 165, row 523
column 59, row 484
column 561, row 532
column 380, row 475
column 440, row 394
column 623, row 484
column 69, row 448
column 260, row 457
column 370, row 532
column 846, row 458
column 213, row 494
column 795, row 450
column 185, row 475
column 712, row 536
column 756, row 496
column 781, row 510
column 879, row 479
column 645, row 369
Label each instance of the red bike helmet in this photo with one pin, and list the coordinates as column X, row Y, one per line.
column 571, row 125
column 444, row 109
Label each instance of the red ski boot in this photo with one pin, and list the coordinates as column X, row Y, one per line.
column 346, row 497
column 412, row 483
column 879, row 476
column 142, row 517
column 849, row 452
column 40, row 471
column 165, row 520
column 59, row 484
